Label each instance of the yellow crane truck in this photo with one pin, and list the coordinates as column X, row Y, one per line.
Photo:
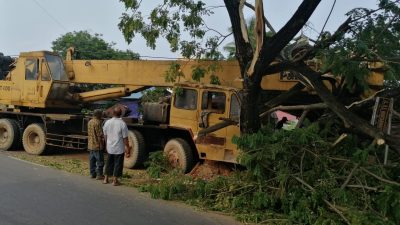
column 39, row 109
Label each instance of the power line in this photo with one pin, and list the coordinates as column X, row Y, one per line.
column 160, row 57
column 327, row 19
column 49, row 15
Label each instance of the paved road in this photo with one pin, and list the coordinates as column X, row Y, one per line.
column 31, row 194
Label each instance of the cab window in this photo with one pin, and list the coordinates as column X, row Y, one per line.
column 234, row 113
column 45, row 72
column 186, row 99
column 213, row 101
column 56, row 67
column 31, row 69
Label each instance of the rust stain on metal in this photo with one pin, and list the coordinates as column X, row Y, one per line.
column 211, row 140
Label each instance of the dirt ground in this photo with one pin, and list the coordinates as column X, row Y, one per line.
column 77, row 162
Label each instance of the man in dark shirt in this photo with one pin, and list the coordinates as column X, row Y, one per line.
column 95, row 146
column 280, row 123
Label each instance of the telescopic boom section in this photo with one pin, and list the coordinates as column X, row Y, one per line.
column 138, row 74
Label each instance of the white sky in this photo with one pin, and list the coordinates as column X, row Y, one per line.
column 27, row 25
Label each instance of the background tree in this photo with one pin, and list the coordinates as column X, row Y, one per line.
column 367, row 35
column 90, row 46
column 251, row 25
column 231, row 48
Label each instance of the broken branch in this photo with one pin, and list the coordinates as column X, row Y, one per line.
column 296, row 107
column 380, row 178
column 326, row 202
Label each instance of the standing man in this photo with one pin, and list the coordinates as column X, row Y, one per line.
column 95, row 146
column 280, row 123
column 116, row 137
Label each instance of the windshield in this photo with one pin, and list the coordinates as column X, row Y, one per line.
column 56, row 67
column 187, row 99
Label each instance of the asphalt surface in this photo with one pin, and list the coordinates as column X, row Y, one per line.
column 33, row 194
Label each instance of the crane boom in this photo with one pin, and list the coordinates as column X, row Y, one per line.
column 143, row 73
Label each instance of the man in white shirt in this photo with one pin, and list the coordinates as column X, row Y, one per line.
column 116, row 138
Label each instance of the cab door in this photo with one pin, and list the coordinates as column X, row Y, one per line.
column 184, row 109
column 212, row 109
column 44, row 83
column 30, row 88
column 233, row 130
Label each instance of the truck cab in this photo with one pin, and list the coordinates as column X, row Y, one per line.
column 198, row 107
column 37, row 81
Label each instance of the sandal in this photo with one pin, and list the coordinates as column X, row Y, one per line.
column 105, row 181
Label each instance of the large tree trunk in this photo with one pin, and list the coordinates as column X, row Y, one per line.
column 250, row 112
column 244, row 53
column 267, row 51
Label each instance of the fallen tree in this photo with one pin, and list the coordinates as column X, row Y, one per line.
column 303, row 176
column 313, row 174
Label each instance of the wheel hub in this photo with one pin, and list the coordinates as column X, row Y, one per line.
column 34, row 139
column 3, row 135
column 173, row 158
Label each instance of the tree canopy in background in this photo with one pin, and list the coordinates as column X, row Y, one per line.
column 90, row 46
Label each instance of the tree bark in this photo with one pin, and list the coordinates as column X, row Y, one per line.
column 250, row 115
column 274, row 45
column 244, row 51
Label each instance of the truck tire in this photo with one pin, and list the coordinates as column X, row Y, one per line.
column 18, row 135
column 179, row 154
column 34, row 139
column 9, row 134
column 138, row 151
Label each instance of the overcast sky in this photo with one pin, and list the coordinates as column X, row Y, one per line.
column 27, row 25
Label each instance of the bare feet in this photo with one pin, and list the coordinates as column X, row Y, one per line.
column 105, row 181
column 116, row 182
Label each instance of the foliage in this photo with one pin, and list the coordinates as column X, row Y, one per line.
column 296, row 177
column 373, row 37
column 153, row 95
column 170, row 20
column 174, row 73
column 90, row 46
column 157, row 164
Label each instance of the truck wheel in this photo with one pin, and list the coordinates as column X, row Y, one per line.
column 18, row 135
column 179, row 154
column 9, row 134
column 138, row 151
column 34, row 139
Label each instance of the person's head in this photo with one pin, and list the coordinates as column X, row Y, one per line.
column 98, row 113
column 284, row 119
column 117, row 112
